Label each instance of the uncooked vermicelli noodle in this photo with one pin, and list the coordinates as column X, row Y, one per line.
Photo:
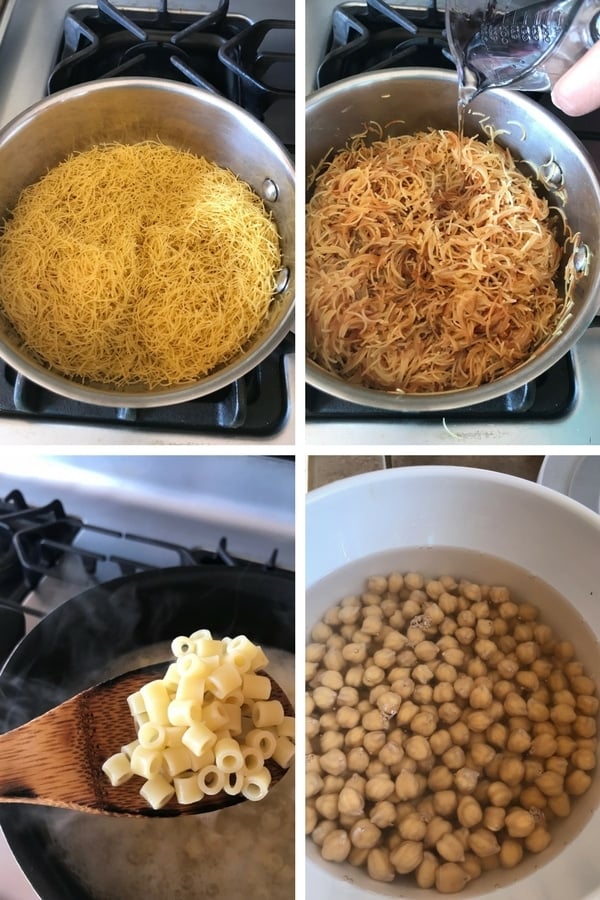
column 138, row 264
column 427, row 271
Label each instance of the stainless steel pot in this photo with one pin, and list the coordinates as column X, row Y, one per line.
column 424, row 98
column 134, row 109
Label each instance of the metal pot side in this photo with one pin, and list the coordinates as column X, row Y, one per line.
column 127, row 110
column 424, row 98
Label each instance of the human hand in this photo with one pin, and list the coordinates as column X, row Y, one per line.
column 577, row 92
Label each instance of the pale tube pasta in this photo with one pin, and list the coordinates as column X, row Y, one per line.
column 176, row 760
column 287, row 728
column 267, row 713
column 157, row 791
column 241, row 653
column 256, row 785
column 190, row 687
column 211, row 780
column 234, row 718
column 156, row 700
column 199, row 634
column 182, row 645
column 206, row 646
column 199, row 762
column 228, row 755
column 198, row 738
column 256, row 687
column 152, row 737
column 234, row 782
column 283, row 753
column 214, row 715
column 118, row 769
column 174, row 734
column 260, row 660
column 189, row 664
column 224, row 680
column 253, row 760
column 262, row 740
column 128, row 749
column 207, row 726
column 145, row 762
column 184, row 712
column 136, row 704
column 187, row 789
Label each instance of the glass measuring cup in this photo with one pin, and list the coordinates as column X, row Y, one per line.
column 516, row 43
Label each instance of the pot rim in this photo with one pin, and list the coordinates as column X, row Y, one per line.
column 542, row 358
column 223, row 376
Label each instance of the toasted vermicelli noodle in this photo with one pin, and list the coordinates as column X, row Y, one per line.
column 137, row 264
column 425, row 273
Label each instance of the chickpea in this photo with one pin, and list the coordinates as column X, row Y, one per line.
column 391, row 754
column 417, row 747
column 499, row 794
column 373, row 741
column 364, row 834
column 482, row 754
column 584, row 759
column 354, row 737
column 379, row 787
column 331, row 740
column 314, row 784
column 560, row 805
column 584, row 726
column 511, row 853
column 375, row 721
column 336, row 846
column 483, row 842
column 373, row 675
column 538, row 840
column 587, row 704
column 407, row 785
column 466, row 780
column 327, row 806
column 519, row 823
column 379, row 865
column 334, row 662
column 493, row 818
column 383, row 814
column 450, row 878
column 577, row 782
column 454, row 757
column 334, row 762
column 445, row 802
column 358, row 759
column 469, row 812
column 531, row 796
column 413, row 827
column 440, row 741
column 347, row 717
column 426, row 871
column 351, row 802
column 407, row 856
column 518, row 741
column 511, row 770
column 550, row 784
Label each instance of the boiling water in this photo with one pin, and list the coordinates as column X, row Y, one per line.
column 244, row 850
column 555, row 610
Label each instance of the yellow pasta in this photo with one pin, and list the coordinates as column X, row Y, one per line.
column 138, row 264
column 196, row 731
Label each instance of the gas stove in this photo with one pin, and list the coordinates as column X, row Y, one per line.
column 67, row 524
column 242, row 50
column 560, row 407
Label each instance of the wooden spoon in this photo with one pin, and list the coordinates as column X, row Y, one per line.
column 56, row 759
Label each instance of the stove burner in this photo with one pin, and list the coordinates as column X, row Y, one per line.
column 550, row 396
column 375, row 36
column 256, row 404
column 248, row 63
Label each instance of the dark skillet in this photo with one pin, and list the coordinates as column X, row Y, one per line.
column 67, row 651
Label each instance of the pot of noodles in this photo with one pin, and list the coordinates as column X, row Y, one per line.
column 452, row 672
column 146, row 242
column 442, row 272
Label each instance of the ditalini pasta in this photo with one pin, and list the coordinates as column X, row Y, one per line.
column 207, row 726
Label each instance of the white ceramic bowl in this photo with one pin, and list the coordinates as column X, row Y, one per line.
column 490, row 528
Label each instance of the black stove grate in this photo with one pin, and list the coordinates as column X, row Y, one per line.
column 550, row 396
column 35, row 540
column 256, row 405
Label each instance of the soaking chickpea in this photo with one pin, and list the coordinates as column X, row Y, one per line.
column 447, row 728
